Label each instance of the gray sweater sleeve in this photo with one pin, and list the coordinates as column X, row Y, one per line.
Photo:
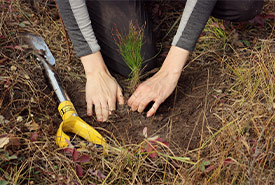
column 194, row 17
column 76, row 18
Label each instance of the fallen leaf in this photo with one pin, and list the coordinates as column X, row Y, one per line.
column 34, row 137
column 246, row 43
column 97, row 173
column 228, row 161
column 75, row 182
column 14, row 141
column 3, row 182
column 165, row 143
column 270, row 16
column 79, row 170
column 210, row 168
column 4, row 141
column 32, row 125
column 153, row 154
column 68, row 151
column 8, row 157
column 84, row 158
column 27, row 77
column 203, row 165
column 75, row 155
column 24, row 23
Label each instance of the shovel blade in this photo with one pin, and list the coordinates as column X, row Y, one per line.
column 38, row 44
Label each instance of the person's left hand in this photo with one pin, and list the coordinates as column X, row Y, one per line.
column 161, row 85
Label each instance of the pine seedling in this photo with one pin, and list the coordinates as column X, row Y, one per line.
column 130, row 49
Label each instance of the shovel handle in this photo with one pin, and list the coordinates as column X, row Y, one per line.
column 74, row 124
column 59, row 91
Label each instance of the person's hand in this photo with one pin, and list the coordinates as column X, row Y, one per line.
column 102, row 90
column 162, row 84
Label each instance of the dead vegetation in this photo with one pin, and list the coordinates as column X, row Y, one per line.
column 240, row 151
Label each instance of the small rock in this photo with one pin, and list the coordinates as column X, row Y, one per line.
column 32, row 100
column 218, row 91
column 19, row 119
column 13, row 68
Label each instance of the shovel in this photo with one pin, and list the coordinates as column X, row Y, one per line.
column 71, row 121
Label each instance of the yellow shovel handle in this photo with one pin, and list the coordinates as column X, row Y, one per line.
column 74, row 124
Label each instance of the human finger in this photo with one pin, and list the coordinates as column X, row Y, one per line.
column 144, row 102
column 153, row 109
column 131, row 99
column 111, row 104
column 120, row 97
column 105, row 110
column 135, row 104
column 89, row 108
column 98, row 110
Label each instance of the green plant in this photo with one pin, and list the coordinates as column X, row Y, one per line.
column 129, row 45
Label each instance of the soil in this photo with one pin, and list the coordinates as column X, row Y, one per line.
column 179, row 119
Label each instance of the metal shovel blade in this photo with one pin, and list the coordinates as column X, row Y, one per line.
column 38, row 44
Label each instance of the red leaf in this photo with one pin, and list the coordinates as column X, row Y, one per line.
column 149, row 148
column 69, row 151
column 159, row 139
column 210, row 168
column 270, row 16
column 79, row 170
column 84, row 158
column 75, row 154
column 153, row 154
column 228, row 161
column 34, row 137
column 165, row 143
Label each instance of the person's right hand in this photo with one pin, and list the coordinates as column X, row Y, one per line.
column 102, row 90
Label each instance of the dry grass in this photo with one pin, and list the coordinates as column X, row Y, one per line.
column 240, row 152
